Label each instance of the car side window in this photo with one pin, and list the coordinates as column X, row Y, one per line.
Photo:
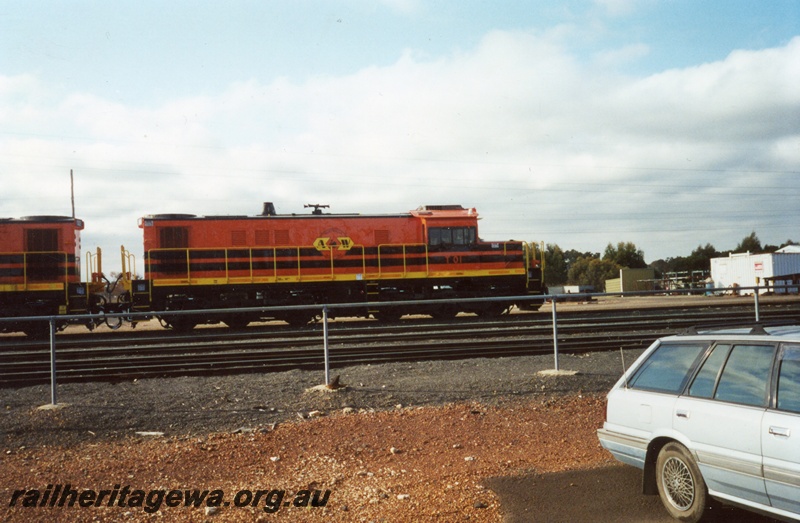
column 667, row 368
column 706, row 379
column 789, row 379
column 746, row 375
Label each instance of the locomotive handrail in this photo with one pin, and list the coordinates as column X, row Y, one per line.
column 299, row 264
column 273, row 251
column 25, row 285
column 149, row 265
column 226, row 265
column 405, row 256
column 89, row 266
column 94, row 266
column 128, row 264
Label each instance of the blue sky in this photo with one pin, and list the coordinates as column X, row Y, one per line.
column 667, row 123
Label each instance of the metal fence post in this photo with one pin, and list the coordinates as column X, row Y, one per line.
column 53, row 399
column 555, row 333
column 755, row 299
column 325, row 344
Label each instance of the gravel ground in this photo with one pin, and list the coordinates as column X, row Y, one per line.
column 401, row 442
column 200, row 405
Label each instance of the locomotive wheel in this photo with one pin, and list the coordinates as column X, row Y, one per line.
column 390, row 315
column 296, row 320
column 38, row 330
column 445, row 312
column 182, row 324
column 491, row 311
column 236, row 323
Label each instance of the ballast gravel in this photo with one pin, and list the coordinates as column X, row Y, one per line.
column 398, row 442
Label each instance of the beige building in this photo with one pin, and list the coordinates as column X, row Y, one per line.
column 632, row 280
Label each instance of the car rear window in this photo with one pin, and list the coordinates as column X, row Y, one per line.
column 667, row 368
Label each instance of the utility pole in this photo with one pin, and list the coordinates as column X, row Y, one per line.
column 72, row 192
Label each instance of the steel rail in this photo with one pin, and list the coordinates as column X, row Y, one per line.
column 259, row 350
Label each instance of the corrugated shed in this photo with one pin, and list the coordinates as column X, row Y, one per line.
column 631, row 280
column 750, row 270
column 636, row 279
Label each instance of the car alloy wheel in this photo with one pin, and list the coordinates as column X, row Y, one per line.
column 680, row 484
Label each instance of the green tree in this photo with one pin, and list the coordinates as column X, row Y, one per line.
column 750, row 244
column 700, row 259
column 555, row 265
column 625, row 254
column 661, row 266
column 593, row 271
column 773, row 248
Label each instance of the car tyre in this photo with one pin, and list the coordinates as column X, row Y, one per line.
column 680, row 484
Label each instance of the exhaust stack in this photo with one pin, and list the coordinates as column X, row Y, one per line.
column 268, row 210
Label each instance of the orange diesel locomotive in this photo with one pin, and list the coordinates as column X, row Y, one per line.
column 40, row 273
column 204, row 263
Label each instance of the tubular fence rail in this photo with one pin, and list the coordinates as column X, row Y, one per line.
column 324, row 308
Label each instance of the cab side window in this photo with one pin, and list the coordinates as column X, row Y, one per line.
column 789, row 379
column 451, row 236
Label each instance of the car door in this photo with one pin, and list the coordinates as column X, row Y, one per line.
column 640, row 406
column 781, row 434
column 721, row 415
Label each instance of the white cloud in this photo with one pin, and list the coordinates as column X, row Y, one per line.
column 546, row 146
column 614, row 58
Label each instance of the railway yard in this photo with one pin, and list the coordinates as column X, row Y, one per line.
column 413, row 436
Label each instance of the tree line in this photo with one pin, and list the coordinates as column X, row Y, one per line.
column 588, row 268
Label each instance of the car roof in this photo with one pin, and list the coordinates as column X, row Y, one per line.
column 756, row 332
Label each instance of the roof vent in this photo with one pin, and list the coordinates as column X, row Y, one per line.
column 441, row 208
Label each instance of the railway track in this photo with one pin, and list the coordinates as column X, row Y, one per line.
column 132, row 355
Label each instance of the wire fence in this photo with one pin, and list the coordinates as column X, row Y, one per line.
column 324, row 310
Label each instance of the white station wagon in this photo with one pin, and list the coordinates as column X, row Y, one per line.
column 713, row 416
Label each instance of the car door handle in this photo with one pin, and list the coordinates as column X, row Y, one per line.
column 779, row 431
column 682, row 413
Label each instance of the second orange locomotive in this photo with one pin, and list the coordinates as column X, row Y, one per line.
column 206, row 263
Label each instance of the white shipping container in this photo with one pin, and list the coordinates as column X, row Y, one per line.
column 750, row 270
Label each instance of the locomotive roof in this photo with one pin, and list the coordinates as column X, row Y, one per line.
column 264, row 217
column 42, row 219
column 444, row 211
